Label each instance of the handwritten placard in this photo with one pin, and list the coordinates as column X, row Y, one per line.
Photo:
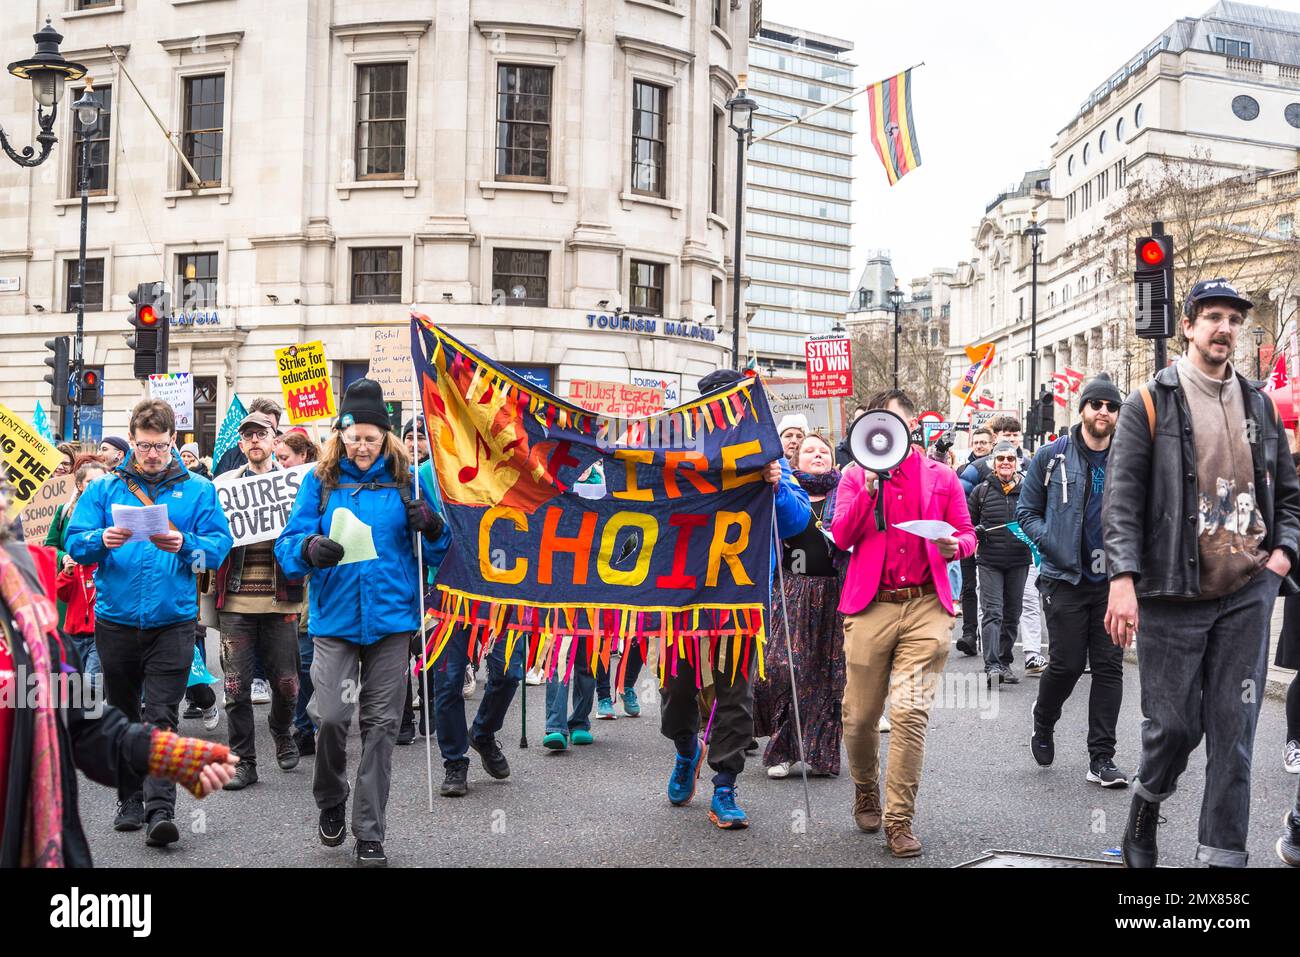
column 616, row 398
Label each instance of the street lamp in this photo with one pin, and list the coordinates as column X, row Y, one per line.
column 86, row 111
column 741, row 107
column 896, row 300
column 1258, row 333
column 1035, row 234
column 47, row 71
column 1128, row 365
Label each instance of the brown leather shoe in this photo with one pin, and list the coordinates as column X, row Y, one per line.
column 866, row 807
column 902, row 842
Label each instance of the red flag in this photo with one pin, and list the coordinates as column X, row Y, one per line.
column 1278, row 378
column 1073, row 377
column 1062, row 387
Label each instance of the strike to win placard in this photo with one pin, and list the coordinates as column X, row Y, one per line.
column 830, row 368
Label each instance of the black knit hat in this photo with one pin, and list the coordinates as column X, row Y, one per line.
column 1100, row 387
column 363, row 403
column 719, row 379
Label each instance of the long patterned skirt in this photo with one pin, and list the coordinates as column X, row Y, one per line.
column 817, row 642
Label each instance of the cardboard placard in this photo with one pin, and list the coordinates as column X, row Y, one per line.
column 257, row 506
column 305, row 382
column 38, row 516
column 616, row 398
column 390, row 362
column 29, row 459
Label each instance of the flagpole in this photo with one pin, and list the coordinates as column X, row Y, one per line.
column 426, row 703
column 829, row 106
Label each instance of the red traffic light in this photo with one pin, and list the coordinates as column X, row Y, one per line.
column 1152, row 253
column 147, row 316
column 89, row 380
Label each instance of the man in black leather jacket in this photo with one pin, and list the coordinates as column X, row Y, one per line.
column 1202, row 518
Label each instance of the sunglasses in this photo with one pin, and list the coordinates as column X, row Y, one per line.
column 1005, row 458
column 1098, row 404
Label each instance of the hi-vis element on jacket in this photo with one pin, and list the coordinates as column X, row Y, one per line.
column 138, row 583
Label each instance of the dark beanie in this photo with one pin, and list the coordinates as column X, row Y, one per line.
column 411, row 426
column 1100, row 387
column 719, row 379
column 118, row 443
column 363, row 403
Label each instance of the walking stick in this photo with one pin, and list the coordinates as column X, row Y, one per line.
column 426, row 704
column 523, row 709
column 789, row 656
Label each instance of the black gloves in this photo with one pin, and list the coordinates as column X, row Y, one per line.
column 320, row 551
column 982, row 534
column 423, row 518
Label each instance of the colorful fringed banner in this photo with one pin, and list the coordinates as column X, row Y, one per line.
column 578, row 534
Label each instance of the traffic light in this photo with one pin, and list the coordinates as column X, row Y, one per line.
column 58, row 363
column 1153, row 286
column 151, row 318
column 90, row 385
column 1046, row 412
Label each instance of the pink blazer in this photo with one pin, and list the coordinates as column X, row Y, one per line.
column 854, row 527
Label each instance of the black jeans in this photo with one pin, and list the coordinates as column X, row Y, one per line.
column 1002, row 598
column 153, row 663
column 243, row 637
column 634, row 663
column 970, row 603
column 733, row 722
column 1076, row 619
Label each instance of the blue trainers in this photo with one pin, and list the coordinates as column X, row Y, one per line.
column 681, row 786
column 725, row 812
column 555, row 741
column 631, row 707
column 605, row 709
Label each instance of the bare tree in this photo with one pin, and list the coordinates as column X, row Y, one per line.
column 922, row 365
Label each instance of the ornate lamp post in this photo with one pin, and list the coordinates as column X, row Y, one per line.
column 48, row 72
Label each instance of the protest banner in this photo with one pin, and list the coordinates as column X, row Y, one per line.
column 616, row 398
column 257, row 506
column 790, row 397
column 38, row 516
column 390, row 362
column 177, row 390
column 574, row 543
column 305, row 382
column 829, row 367
column 29, row 459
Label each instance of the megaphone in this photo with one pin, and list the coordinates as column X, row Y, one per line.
column 879, row 440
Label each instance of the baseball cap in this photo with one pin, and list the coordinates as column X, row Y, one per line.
column 1215, row 289
column 260, row 420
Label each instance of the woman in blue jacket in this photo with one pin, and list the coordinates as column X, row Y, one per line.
column 363, row 611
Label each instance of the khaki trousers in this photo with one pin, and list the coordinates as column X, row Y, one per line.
column 905, row 645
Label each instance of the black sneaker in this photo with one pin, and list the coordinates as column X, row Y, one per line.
column 245, row 774
column 1103, row 771
column 130, row 814
column 967, row 647
column 494, row 760
column 371, row 854
column 162, row 830
column 1288, row 845
column 1139, row 848
column 1042, row 746
column 306, row 742
column 405, row 735
column 333, row 824
column 1009, row 677
column 456, row 783
column 286, row 753
column 191, row 710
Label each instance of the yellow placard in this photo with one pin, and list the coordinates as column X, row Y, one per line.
column 305, row 382
column 29, row 459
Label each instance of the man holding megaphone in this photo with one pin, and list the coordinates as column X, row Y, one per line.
column 898, row 606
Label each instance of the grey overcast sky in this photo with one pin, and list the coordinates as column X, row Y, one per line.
column 1001, row 78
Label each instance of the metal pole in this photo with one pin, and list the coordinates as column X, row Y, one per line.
column 738, row 227
column 77, row 358
column 829, row 106
column 426, row 702
column 1033, row 340
column 897, row 305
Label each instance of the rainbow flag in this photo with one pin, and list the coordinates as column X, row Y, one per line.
column 893, row 133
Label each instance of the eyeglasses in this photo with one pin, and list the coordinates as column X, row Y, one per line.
column 255, row 434
column 152, row 446
column 1004, row 458
column 369, row 443
column 1098, row 404
column 63, row 468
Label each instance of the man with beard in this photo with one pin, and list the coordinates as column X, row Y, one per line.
column 1060, row 510
column 1204, row 599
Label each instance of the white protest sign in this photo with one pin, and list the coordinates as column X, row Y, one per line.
column 390, row 362
column 257, row 506
column 177, row 390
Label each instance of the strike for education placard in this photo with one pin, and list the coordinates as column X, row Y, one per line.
column 29, row 459
column 575, row 539
column 257, row 506
column 305, row 382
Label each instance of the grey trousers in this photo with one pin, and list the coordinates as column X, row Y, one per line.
column 1202, row 666
column 380, row 692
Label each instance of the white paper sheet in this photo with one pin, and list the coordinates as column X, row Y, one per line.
column 143, row 520
column 928, row 529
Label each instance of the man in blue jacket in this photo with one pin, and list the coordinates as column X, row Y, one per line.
column 147, row 592
column 1060, row 509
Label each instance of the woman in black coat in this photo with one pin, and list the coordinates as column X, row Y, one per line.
column 1002, row 561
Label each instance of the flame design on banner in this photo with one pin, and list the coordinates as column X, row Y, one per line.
column 625, row 540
